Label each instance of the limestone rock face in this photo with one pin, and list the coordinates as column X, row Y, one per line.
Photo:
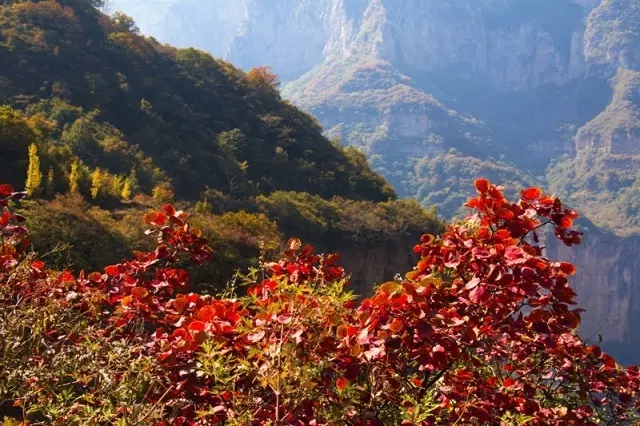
column 607, row 285
column 512, row 46
column 612, row 37
column 289, row 35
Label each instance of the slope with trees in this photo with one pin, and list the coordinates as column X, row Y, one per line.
column 100, row 123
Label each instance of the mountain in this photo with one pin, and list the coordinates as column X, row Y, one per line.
column 102, row 124
column 438, row 93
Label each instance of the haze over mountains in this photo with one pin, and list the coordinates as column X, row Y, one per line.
column 437, row 93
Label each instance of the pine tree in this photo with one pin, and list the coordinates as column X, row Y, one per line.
column 74, row 179
column 34, row 175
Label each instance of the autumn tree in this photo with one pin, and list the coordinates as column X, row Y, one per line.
column 124, row 23
column 74, row 179
column 263, row 78
column 97, row 182
column 34, row 174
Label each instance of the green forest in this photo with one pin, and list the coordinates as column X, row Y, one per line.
column 100, row 123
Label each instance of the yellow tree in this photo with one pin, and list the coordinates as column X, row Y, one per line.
column 74, row 179
column 34, row 175
column 125, row 194
column 97, row 181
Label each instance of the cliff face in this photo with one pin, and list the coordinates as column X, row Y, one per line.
column 612, row 37
column 607, row 285
column 374, row 265
column 514, row 44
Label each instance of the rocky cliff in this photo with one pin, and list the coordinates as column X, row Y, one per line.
column 513, row 44
column 607, row 286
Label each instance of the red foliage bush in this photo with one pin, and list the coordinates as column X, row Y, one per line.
column 482, row 331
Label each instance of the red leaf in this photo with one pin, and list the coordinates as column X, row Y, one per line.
column 473, row 283
column 37, row 265
column 567, row 268
column 565, row 222
column 508, row 382
column 504, row 213
column 342, row 383
column 197, row 326
column 482, row 185
column 111, row 270
column 481, row 253
column 169, row 209
column 479, row 294
column 503, row 234
column 531, row 194
column 6, row 190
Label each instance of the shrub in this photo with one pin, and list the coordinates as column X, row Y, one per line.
column 482, row 331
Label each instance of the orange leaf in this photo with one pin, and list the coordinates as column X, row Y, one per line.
column 207, row 313
column 341, row 331
column 390, row 287
column 95, row 277
column 294, row 244
column 179, row 304
column 531, row 193
column 427, row 239
column 355, row 350
column 139, row 292
column 482, row 185
column 396, row 325
column 342, row 383
column 126, row 301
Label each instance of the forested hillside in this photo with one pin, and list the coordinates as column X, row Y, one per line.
column 99, row 123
